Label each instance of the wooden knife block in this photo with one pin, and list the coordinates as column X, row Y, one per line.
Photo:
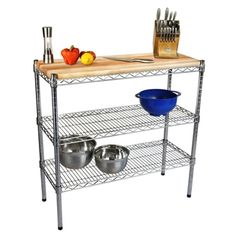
column 164, row 49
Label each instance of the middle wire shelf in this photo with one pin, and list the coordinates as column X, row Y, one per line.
column 113, row 121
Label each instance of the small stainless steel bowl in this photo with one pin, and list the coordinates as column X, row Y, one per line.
column 76, row 152
column 111, row 159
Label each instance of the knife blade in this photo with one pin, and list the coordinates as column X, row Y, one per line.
column 141, row 60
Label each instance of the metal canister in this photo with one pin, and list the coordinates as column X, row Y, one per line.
column 47, row 35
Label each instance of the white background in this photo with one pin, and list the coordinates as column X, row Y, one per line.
column 149, row 205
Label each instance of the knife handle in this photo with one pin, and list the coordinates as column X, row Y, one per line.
column 174, row 16
column 166, row 13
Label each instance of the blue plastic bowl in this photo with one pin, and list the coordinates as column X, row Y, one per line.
column 158, row 101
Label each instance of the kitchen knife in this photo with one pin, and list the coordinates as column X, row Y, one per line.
column 170, row 17
column 166, row 13
column 158, row 18
column 177, row 28
column 169, row 34
column 158, row 14
column 161, row 30
column 165, row 34
column 142, row 60
column 174, row 16
column 172, row 33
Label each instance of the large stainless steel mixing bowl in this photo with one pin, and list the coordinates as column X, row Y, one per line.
column 111, row 159
column 76, row 152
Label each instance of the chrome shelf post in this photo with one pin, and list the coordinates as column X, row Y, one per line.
column 165, row 139
column 40, row 132
column 195, row 128
column 53, row 84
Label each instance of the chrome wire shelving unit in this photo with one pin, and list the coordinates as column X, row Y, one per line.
column 144, row 158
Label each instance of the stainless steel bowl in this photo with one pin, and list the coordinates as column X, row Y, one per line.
column 76, row 152
column 111, row 159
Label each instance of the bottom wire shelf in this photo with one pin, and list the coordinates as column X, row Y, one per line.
column 144, row 158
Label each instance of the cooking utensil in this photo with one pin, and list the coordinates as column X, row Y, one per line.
column 166, row 13
column 142, row 60
column 172, row 33
column 165, row 33
column 168, row 34
column 161, row 30
column 174, row 16
column 111, row 158
column 76, row 152
column 158, row 101
column 170, row 17
column 158, row 16
column 175, row 32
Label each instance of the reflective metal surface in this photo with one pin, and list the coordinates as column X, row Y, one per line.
column 142, row 60
column 47, row 35
column 111, row 158
column 76, row 152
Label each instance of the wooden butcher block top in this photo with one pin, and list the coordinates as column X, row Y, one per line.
column 103, row 66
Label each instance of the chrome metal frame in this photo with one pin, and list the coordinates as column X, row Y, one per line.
column 40, row 132
column 195, row 128
column 64, row 180
column 165, row 139
column 133, row 75
column 56, row 148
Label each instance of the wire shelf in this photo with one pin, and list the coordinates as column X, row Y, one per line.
column 144, row 158
column 114, row 121
column 119, row 76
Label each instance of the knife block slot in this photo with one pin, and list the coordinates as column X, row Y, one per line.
column 165, row 45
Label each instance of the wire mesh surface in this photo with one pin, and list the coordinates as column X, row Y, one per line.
column 144, row 158
column 112, row 121
column 120, row 76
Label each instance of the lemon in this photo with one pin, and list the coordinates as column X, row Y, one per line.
column 87, row 59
